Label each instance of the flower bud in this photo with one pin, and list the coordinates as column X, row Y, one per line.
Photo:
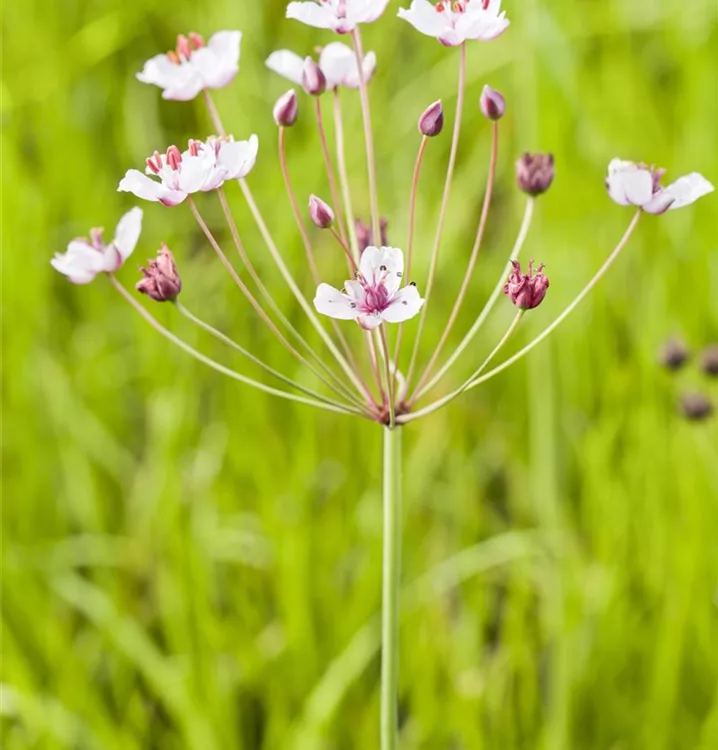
column 526, row 290
column 709, row 361
column 492, row 103
column 313, row 80
column 696, row 407
column 320, row 213
column 431, row 122
column 286, row 109
column 534, row 173
column 673, row 355
column 161, row 280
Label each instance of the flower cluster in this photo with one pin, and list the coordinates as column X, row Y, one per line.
column 373, row 380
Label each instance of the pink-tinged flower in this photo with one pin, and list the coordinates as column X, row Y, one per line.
column 161, row 281
column 194, row 66
column 526, row 290
column 631, row 184
column 341, row 16
column 376, row 295
column 492, row 103
column 336, row 60
column 85, row 258
column 286, row 110
column 203, row 167
column 453, row 22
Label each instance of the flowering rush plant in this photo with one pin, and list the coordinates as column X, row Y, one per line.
column 370, row 323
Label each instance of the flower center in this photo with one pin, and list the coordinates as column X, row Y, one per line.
column 185, row 46
column 457, row 6
column 173, row 159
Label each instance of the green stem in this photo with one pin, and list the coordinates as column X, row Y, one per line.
column 390, row 589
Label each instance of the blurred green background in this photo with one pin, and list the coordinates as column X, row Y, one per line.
column 188, row 563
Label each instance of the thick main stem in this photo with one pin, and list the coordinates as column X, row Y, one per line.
column 390, row 589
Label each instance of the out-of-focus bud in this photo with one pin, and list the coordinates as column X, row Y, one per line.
column 709, row 361
column 313, row 80
column 526, row 290
column 534, row 173
column 365, row 236
column 674, row 354
column 161, row 280
column 286, row 109
column 431, row 122
column 696, row 407
column 320, row 213
column 492, row 103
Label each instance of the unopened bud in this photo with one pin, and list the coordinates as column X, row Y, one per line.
column 709, row 361
column 313, row 80
column 161, row 280
column 674, row 354
column 526, row 290
column 534, row 173
column 492, row 103
column 365, row 234
column 696, row 407
column 431, row 122
column 320, row 213
column 286, row 109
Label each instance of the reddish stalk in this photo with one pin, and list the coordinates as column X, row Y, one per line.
column 330, row 170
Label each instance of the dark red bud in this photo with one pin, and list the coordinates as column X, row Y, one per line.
column 492, row 103
column 286, row 109
column 431, row 122
column 320, row 213
column 161, row 280
column 313, row 79
column 534, row 173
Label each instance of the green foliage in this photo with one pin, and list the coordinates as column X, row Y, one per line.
column 191, row 564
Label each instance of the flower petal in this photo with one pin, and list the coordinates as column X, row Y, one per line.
column 218, row 62
column 384, row 262
column 237, row 158
column 365, row 11
column 369, row 321
column 312, row 14
column 330, row 301
column 81, row 263
column 143, row 187
column 423, row 16
column 128, row 232
column 405, row 304
column 196, row 172
column 287, row 64
column 688, row 189
column 659, row 203
column 637, row 186
column 338, row 63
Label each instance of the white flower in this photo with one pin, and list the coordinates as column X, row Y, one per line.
column 194, row 66
column 631, row 184
column 454, row 22
column 376, row 295
column 337, row 61
column 85, row 258
column 203, row 167
column 341, row 16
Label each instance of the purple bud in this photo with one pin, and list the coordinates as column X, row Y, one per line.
column 709, row 360
column 696, row 407
column 286, row 109
column 526, row 290
column 431, row 122
column 161, row 280
column 673, row 354
column 492, row 103
column 313, row 79
column 534, row 173
column 320, row 213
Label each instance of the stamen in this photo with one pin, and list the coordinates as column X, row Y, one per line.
column 154, row 162
column 174, row 157
column 485, row 4
column 173, row 57
column 193, row 147
column 183, row 47
column 196, row 40
column 96, row 237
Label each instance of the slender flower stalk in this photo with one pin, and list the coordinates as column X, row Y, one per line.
column 368, row 135
column 331, row 176
column 221, row 368
column 489, row 306
column 339, row 388
column 442, row 211
column 467, row 383
column 301, row 227
column 410, row 233
column 234, row 345
column 343, row 175
column 477, row 379
column 472, row 260
column 390, row 589
column 353, row 268
column 388, row 376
